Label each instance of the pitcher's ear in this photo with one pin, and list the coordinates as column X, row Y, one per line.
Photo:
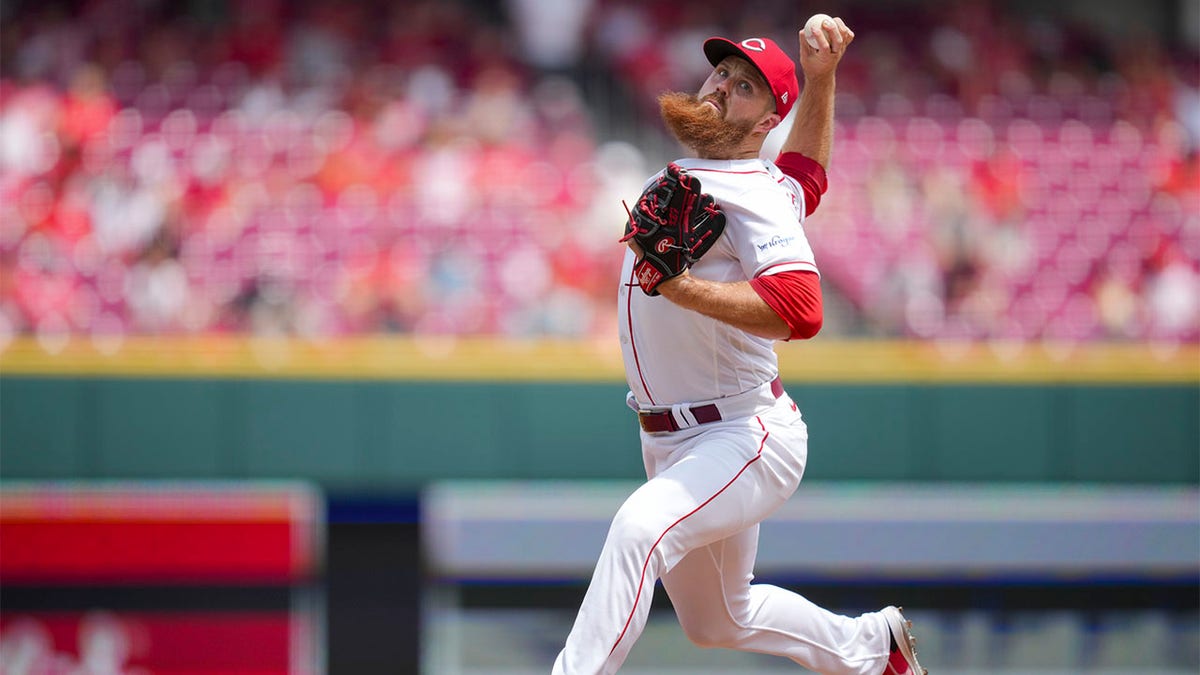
column 769, row 122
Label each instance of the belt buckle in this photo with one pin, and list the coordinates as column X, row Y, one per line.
column 647, row 420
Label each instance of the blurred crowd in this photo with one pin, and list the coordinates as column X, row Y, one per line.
column 451, row 167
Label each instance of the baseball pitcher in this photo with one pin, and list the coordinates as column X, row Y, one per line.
column 717, row 268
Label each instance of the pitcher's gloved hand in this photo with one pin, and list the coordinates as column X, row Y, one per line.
column 674, row 223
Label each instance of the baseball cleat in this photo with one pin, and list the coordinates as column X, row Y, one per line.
column 906, row 645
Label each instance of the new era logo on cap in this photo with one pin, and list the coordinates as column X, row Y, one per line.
column 776, row 66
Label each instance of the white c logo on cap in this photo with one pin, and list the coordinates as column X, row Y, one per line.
column 755, row 44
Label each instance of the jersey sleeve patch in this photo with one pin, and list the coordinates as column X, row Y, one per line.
column 809, row 174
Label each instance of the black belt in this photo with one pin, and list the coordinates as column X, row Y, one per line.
column 663, row 420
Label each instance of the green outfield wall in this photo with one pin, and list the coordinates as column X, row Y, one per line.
column 387, row 413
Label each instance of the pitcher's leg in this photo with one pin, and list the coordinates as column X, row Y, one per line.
column 698, row 500
column 617, row 603
column 717, row 606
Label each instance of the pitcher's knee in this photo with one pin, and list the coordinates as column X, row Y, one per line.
column 632, row 529
column 711, row 634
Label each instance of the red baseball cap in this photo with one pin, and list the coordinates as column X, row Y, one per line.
column 775, row 65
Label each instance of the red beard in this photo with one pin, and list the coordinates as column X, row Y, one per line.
column 701, row 127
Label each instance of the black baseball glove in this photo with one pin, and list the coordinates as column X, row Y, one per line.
column 675, row 224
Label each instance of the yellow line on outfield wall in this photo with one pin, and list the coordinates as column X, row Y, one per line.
column 479, row 359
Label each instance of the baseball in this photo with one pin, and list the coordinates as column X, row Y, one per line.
column 813, row 25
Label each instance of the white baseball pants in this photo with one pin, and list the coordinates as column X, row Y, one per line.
column 694, row 525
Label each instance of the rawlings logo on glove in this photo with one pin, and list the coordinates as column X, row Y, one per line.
column 674, row 223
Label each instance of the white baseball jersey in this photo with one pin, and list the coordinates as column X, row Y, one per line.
column 674, row 355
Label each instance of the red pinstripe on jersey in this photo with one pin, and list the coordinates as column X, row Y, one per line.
column 629, row 286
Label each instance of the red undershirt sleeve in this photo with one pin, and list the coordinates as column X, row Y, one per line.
column 809, row 173
column 796, row 297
